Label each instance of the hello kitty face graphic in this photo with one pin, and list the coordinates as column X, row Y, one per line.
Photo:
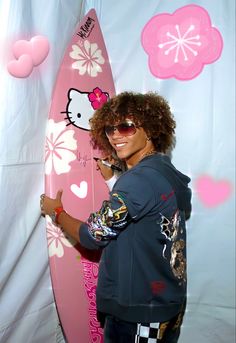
column 81, row 106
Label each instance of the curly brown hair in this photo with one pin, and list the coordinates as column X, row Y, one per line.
column 150, row 111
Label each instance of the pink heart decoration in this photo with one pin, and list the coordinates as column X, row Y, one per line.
column 37, row 48
column 211, row 192
column 21, row 67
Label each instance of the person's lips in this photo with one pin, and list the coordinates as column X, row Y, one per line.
column 119, row 146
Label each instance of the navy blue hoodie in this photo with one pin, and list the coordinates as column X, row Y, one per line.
column 142, row 272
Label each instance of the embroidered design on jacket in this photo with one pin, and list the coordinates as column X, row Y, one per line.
column 171, row 230
column 178, row 261
column 108, row 222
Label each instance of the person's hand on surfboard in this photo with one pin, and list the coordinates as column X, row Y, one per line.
column 48, row 205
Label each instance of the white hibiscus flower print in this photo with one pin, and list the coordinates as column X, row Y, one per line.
column 60, row 147
column 57, row 240
column 88, row 58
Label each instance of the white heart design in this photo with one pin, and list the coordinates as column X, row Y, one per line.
column 81, row 190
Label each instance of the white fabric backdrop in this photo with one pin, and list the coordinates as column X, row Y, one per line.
column 204, row 109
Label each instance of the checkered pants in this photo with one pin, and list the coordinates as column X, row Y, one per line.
column 150, row 333
column 119, row 331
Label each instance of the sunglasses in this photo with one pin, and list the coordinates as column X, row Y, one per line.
column 128, row 128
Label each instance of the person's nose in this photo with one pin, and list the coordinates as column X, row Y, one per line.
column 116, row 134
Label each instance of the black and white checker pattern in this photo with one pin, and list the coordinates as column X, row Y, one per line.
column 148, row 333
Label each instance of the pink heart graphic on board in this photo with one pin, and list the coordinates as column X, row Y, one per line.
column 21, row 67
column 211, row 192
column 37, row 48
column 81, row 190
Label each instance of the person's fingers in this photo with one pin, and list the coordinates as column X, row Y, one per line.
column 109, row 158
column 99, row 164
column 59, row 194
column 42, row 196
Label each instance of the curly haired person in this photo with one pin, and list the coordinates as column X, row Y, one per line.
column 141, row 290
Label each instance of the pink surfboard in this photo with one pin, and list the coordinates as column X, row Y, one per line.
column 83, row 84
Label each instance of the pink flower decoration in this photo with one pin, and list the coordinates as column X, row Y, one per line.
column 97, row 98
column 180, row 44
